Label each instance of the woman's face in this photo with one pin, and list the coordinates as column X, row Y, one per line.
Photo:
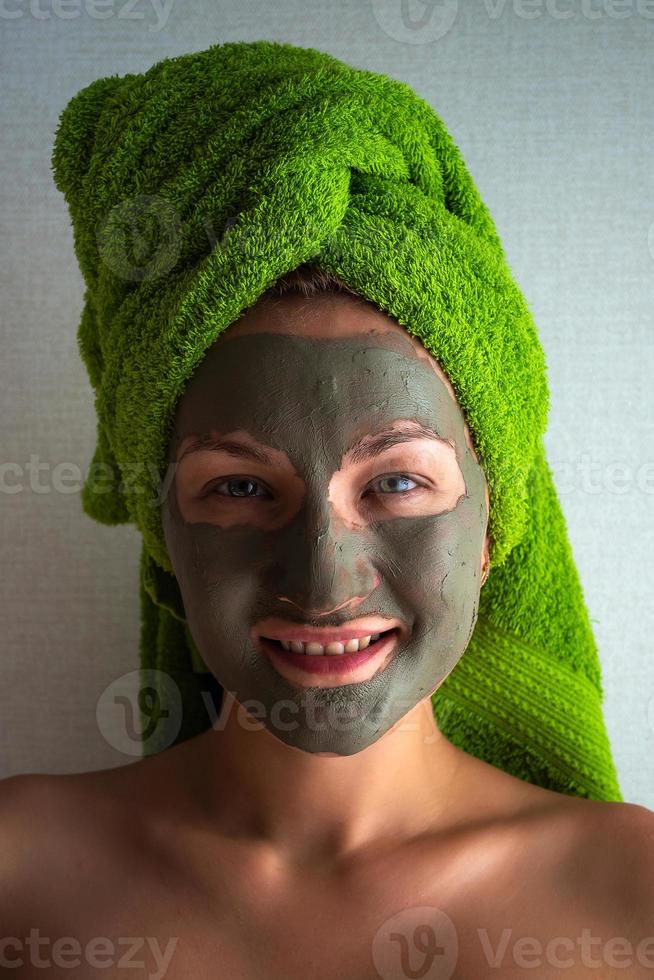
column 325, row 478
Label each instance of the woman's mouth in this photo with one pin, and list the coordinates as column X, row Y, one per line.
column 333, row 664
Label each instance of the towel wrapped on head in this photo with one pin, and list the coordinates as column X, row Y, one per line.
column 236, row 165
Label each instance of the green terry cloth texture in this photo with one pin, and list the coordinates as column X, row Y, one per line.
column 238, row 164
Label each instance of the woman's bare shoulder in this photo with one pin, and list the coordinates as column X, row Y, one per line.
column 616, row 838
column 46, row 815
column 582, row 866
column 624, row 834
column 622, row 830
column 31, row 804
column 599, row 853
column 38, row 810
column 33, row 834
column 55, row 828
column 43, row 807
column 609, row 864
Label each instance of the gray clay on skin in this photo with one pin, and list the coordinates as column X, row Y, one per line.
column 311, row 400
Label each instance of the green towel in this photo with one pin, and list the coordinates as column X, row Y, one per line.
column 224, row 169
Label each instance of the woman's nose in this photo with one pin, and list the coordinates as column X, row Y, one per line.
column 322, row 566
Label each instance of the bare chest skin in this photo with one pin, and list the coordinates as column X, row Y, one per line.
column 485, row 903
column 511, row 894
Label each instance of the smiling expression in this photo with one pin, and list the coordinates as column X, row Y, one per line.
column 324, row 478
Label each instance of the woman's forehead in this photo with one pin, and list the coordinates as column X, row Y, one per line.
column 327, row 316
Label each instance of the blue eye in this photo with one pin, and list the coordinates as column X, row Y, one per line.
column 396, row 478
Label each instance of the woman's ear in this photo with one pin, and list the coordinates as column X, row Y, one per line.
column 485, row 559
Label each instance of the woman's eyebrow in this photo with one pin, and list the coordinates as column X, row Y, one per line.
column 232, row 447
column 368, row 447
column 372, row 446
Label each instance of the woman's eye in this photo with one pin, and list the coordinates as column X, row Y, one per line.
column 397, row 484
column 244, row 487
column 237, row 486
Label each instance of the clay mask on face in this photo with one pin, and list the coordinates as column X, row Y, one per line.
column 307, row 531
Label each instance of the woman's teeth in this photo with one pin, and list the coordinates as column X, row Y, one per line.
column 332, row 649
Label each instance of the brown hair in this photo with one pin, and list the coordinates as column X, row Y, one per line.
column 310, row 280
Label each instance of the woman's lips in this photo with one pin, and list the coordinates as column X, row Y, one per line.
column 330, row 670
column 354, row 630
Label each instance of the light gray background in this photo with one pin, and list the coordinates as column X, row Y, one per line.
column 551, row 105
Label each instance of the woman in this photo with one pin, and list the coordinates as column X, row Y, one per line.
column 327, row 482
